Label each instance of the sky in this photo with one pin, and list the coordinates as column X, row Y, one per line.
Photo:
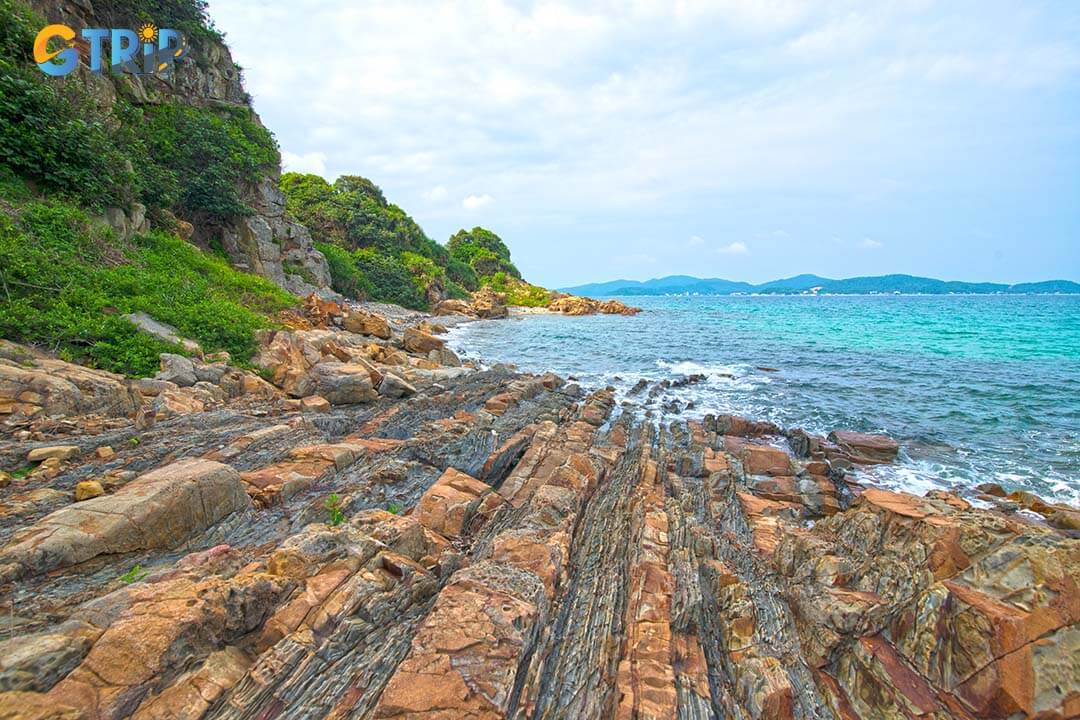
column 743, row 139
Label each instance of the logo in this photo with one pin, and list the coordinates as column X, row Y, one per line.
column 145, row 51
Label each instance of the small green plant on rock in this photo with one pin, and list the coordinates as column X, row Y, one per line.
column 134, row 575
column 333, row 506
column 393, row 508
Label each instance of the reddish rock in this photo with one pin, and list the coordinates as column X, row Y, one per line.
column 365, row 323
column 865, row 447
column 418, row 341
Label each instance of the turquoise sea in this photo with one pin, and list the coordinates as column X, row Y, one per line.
column 977, row 388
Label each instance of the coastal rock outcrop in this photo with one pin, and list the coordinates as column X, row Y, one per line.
column 576, row 305
column 413, row 540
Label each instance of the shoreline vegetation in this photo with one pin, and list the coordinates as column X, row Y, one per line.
column 235, row 481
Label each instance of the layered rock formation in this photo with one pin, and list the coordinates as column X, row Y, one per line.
column 376, row 532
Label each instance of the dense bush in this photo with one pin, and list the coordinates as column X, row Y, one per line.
column 483, row 251
column 170, row 156
column 385, row 245
column 188, row 16
column 389, row 279
column 197, row 159
column 345, row 276
column 51, row 135
column 519, row 292
column 65, row 283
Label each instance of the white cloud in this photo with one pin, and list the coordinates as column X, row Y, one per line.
column 735, row 248
column 312, row 162
column 591, row 120
column 696, row 241
column 435, row 194
column 473, row 202
column 870, row 244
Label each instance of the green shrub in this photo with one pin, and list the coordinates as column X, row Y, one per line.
column 462, row 274
column 519, row 292
column 390, row 280
column 188, row 16
column 345, row 277
column 424, row 271
column 333, row 508
column 52, row 135
column 66, row 282
column 198, row 159
column 483, row 251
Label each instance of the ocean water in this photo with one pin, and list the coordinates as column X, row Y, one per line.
column 976, row 388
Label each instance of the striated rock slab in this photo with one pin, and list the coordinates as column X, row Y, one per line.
column 50, row 387
column 160, row 509
column 495, row 545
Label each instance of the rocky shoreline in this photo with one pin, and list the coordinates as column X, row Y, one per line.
column 368, row 527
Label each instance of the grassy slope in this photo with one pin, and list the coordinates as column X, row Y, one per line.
column 66, row 281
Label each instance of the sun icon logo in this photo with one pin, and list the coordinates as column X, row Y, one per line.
column 148, row 33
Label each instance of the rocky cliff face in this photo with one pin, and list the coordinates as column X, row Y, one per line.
column 266, row 242
column 383, row 533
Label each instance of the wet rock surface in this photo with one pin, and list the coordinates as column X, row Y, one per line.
column 376, row 532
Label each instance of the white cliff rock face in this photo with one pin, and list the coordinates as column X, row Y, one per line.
column 267, row 242
column 274, row 245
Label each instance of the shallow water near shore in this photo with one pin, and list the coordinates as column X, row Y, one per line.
column 976, row 388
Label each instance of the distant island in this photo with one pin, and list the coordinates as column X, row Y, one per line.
column 815, row 285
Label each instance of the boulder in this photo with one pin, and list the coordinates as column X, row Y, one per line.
column 211, row 373
column 866, row 448
column 162, row 331
column 365, row 323
column 87, row 490
column 177, row 369
column 39, row 385
column 342, row 384
column 149, row 387
column 489, row 305
column 448, row 506
column 157, row 510
column 453, row 307
column 394, row 387
column 59, row 452
column 184, row 401
column 314, row 403
column 444, row 357
column 759, row 459
column 34, row 663
column 418, row 341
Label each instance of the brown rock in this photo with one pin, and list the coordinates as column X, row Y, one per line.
column 865, row 447
column 55, row 388
column 365, row 323
column 105, row 453
column 453, row 307
column 489, row 305
column 418, row 341
column 159, row 509
column 759, row 459
column 57, row 452
column 88, row 489
column 315, row 404
column 448, row 505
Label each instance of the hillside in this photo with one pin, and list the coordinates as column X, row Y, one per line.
column 131, row 194
column 804, row 284
column 376, row 250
